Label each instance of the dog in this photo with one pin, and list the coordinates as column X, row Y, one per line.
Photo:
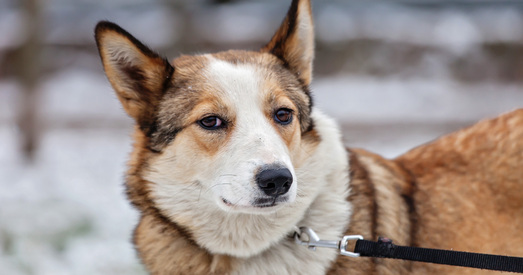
column 230, row 156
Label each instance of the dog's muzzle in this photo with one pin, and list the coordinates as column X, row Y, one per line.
column 274, row 182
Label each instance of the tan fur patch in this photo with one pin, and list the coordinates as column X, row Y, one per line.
column 159, row 247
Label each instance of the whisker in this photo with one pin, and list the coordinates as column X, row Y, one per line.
column 200, row 194
column 215, row 185
column 300, row 194
column 192, row 185
column 218, row 184
column 238, row 200
column 228, row 175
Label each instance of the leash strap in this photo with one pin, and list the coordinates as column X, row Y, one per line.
column 384, row 248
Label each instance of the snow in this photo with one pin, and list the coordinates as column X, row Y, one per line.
column 66, row 212
column 448, row 27
column 78, row 94
column 397, row 100
column 60, row 20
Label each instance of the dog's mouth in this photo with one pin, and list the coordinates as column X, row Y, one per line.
column 268, row 202
column 264, row 202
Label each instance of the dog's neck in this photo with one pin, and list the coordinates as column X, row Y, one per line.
column 321, row 204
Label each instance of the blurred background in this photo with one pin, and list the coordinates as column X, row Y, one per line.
column 395, row 74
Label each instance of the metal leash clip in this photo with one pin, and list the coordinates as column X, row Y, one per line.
column 314, row 241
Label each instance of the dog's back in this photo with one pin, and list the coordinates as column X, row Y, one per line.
column 468, row 191
column 464, row 191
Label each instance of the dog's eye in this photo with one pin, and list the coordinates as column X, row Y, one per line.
column 211, row 123
column 283, row 116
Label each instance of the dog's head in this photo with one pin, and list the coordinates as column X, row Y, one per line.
column 228, row 128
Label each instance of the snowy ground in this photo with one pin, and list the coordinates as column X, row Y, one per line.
column 65, row 212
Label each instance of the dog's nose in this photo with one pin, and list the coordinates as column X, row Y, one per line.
column 274, row 182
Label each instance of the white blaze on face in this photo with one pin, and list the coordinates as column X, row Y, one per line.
column 254, row 143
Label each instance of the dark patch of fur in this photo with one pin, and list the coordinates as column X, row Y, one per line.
column 136, row 79
column 408, row 197
column 134, row 73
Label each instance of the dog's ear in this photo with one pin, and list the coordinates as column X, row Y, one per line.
column 138, row 75
column 293, row 43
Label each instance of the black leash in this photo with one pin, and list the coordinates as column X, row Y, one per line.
column 384, row 248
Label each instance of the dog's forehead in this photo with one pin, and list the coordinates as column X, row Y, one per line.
column 237, row 82
column 231, row 67
column 232, row 79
